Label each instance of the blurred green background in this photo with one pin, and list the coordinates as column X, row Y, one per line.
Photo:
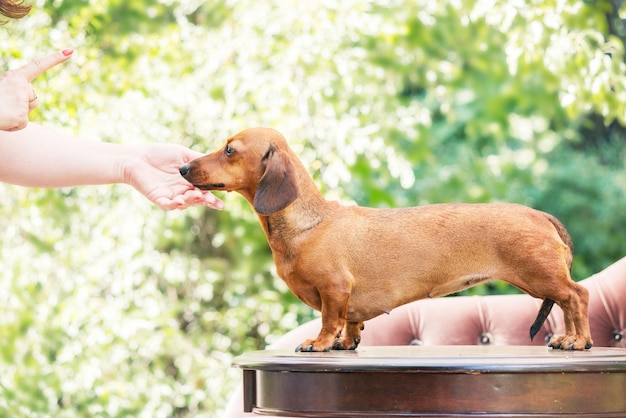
column 111, row 307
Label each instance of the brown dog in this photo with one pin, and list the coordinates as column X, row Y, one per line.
column 354, row 263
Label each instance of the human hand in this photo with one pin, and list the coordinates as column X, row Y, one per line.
column 17, row 96
column 154, row 173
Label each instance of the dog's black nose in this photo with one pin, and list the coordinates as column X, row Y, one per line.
column 184, row 170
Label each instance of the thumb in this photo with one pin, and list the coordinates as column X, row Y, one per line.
column 37, row 67
column 189, row 154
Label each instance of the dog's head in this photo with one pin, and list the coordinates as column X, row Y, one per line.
column 256, row 163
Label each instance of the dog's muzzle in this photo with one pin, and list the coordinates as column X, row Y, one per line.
column 184, row 171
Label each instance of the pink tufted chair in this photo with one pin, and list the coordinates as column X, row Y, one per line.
column 469, row 320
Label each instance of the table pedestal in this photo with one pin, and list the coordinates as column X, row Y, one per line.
column 436, row 381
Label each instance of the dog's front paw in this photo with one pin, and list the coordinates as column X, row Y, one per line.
column 310, row 346
column 350, row 338
column 345, row 344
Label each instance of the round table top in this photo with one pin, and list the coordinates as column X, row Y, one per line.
column 419, row 358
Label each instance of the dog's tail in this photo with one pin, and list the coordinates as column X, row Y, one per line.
column 542, row 315
column 547, row 304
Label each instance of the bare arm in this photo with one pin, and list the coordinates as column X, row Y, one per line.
column 39, row 157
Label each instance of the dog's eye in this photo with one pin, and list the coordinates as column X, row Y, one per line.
column 229, row 151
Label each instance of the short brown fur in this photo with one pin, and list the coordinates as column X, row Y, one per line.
column 353, row 263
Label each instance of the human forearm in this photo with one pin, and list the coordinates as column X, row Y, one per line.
column 39, row 157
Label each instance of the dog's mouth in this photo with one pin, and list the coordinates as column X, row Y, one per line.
column 210, row 186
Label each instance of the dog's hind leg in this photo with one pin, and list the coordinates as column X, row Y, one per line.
column 556, row 284
column 575, row 315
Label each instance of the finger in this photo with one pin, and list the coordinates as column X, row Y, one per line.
column 32, row 102
column 168, row 204
column 40, row 65
column 19, row 126
column 193, row 197
column 217, row 205
column 211, row 201
column 196, row 197
column 189, row 154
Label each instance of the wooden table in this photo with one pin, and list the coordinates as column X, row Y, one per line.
column 436, row 381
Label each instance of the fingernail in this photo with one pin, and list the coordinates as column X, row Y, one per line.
column 68, row 51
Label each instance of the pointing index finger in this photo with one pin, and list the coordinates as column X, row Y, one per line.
column 40, row 65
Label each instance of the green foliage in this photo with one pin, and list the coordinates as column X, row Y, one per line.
column 111, row 307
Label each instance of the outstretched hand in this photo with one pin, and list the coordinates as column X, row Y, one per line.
column 154, row 173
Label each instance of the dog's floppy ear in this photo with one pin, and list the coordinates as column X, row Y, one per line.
column 278, row 187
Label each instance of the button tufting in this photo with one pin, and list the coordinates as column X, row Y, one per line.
column 485, row 338
column 416, row 342
column 618, row 336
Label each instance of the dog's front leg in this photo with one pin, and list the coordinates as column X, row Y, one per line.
column 351, row 337
column 334, row 311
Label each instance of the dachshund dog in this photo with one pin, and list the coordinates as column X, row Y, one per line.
column 353, row 263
